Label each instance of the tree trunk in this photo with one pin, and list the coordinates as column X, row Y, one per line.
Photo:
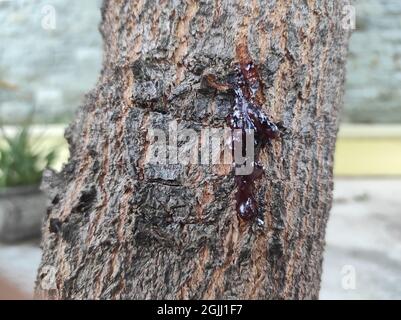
column 121, row 228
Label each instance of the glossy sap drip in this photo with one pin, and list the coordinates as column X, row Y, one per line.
column 247, row 115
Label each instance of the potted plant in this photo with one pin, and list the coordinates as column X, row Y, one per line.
column 22, row 205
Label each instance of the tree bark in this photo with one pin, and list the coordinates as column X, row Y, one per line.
column 119, row 228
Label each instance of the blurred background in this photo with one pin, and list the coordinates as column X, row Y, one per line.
column 50, row 56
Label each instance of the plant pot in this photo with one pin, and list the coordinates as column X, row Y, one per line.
column 21, row 213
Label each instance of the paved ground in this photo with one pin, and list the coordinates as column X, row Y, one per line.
column 362, row 258
column 364, row 240
column 18, row 264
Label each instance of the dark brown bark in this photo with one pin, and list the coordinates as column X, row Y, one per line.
column 120, row 228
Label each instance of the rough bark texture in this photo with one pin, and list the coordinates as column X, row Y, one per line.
column 120, row 228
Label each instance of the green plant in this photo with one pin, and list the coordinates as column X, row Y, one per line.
column 21, row 161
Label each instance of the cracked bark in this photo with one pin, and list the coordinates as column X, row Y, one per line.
column 120, row 228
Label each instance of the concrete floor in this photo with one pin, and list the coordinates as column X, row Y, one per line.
column 364, row 241
column 363, row 252
column 18, row 264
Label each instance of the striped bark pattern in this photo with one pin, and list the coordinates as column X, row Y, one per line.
column 119, row 228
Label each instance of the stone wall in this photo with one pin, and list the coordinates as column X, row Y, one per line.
column 50, row 55
column 374, row 65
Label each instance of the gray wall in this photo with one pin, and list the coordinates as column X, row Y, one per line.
column 46, row 63
column 50, row 69
column 374, row 65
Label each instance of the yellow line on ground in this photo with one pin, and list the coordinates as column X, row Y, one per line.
column 368, row 157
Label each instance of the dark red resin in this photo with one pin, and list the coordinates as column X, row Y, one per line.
column 246, row 114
